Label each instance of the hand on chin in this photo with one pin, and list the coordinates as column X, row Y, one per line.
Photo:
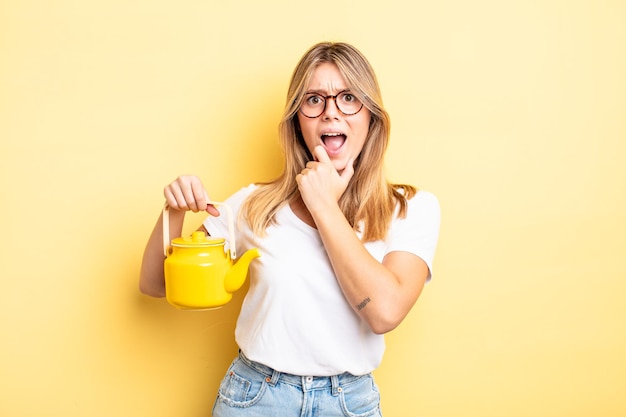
column 340, row 166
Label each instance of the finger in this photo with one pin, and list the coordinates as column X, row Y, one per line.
column 189, row 191
column 348, row 171
column 190, row 202
column 198, row 198
column 320, row 154
column 212, row 210
column 299, row 178
column 182, row 194
column 169, row 197
column 174, row 197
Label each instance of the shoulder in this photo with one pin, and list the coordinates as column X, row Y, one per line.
column 421, row 210
column 238, row 198
column 425, row 200
column 418, row 231
column 420, row 204
column 422, row 214
column 243, row 192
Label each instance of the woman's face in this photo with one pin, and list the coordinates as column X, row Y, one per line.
column 341, row 136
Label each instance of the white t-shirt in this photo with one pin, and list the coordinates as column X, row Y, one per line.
column 295, row 318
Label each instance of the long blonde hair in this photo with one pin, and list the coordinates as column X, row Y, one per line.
column 369, row 200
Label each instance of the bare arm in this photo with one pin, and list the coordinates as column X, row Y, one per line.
column 382, row 294
column 184, row 194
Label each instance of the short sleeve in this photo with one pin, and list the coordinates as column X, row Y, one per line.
column 218, row 226
column 418, row 232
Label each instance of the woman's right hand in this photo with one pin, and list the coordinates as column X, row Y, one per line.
column 188, row 193
column 185, row 193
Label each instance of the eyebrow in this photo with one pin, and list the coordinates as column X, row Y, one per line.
column 325, row 93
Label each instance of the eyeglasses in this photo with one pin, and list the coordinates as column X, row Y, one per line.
column 315, row 104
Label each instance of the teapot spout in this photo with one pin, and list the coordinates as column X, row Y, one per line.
column 236, row 276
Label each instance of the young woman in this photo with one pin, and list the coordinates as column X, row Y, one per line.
column 345, row 254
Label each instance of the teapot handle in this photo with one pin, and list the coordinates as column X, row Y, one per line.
column 231, row 228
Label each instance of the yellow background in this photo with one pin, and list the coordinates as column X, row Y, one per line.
column 511, row 112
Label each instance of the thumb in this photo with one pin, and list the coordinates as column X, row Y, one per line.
column 348, row 171
column 210, row 208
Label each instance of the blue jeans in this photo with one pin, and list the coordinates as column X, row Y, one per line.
column 251, row 389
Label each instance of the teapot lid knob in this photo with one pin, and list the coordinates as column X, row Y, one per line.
column 198, row 236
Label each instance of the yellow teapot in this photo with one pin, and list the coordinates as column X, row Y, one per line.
column 199, row 273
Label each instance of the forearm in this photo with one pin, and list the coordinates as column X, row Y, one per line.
column 381, row 293
column 151, row 278
column 373, row 290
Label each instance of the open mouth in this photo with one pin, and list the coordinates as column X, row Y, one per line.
column 333, row 141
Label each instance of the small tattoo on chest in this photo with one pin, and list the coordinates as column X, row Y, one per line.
column 363, row 303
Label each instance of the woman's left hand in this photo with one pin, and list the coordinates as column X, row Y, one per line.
column 319, row 182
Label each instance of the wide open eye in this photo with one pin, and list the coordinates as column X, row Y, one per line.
column 348, row 98
column 348, row 103
column 314, row 100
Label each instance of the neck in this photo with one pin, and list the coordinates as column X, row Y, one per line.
column 301, row 211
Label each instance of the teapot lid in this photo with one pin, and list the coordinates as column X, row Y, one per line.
column 198, row 238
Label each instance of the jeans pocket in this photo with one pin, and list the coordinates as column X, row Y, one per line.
column 360, row 398
column 241, row 387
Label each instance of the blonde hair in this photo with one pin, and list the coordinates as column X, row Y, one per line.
column 369, row 200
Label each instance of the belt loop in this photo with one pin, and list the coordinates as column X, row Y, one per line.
column 334, row 382
column 274, row 379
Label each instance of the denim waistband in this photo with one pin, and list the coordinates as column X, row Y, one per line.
column 306, row 382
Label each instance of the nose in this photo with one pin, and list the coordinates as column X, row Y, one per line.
column 331, row 110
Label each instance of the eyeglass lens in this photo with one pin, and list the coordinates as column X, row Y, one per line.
column 314, row 104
